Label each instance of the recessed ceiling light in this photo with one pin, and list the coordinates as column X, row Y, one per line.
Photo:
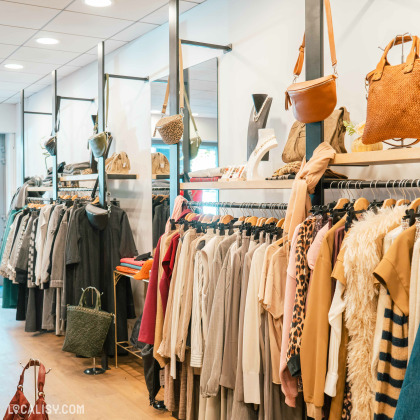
column 13, row 66
column 98, row 3
column 47, row 41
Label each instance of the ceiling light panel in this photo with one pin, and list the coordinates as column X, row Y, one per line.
column 98, row 3
column 13, row 66
column 86, row 25
column 71, row 43
column 26, row 16
column 122, row 9
column 47, row 41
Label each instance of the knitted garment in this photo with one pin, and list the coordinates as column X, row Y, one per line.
column 393, row 358
column 362, row 256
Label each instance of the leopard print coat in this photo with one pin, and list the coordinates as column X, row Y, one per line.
column 305, row 237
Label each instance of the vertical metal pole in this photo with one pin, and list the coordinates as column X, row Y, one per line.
column 101, row 120
column 174, row 95
column 22, row 130
column 186, row 136
column 314, row 67
column 54, row 114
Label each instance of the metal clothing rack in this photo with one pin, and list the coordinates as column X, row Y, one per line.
column 228, row 205
column 356, row 184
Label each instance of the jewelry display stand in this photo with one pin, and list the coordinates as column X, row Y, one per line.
column 258, row 120
column 266, row 141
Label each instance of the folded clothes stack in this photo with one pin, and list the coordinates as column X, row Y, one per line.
column 139, row 267
column 207, row 173
column 75, row 168
column 205, row 179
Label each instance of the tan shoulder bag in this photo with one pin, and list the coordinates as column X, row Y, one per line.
column 171, row 128
column 314, row 100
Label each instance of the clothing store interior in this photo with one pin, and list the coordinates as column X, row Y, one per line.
column 209, row 209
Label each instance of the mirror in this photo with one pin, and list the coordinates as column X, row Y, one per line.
column 201, row 87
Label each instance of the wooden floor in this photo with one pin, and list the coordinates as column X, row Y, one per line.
column 118, row 394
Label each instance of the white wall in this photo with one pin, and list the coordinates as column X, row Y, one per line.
column 265, row 37
column 7, row 118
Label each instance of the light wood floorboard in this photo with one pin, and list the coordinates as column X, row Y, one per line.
column 118, row 394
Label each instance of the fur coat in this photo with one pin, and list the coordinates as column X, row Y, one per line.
column 363, row 252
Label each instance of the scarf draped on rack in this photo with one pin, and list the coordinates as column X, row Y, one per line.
column 304, row 184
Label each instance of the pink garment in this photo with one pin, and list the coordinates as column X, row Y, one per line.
column 288, row 382
column 313, row 253
column 176, row 213
column 132, row 261
column 304, row 184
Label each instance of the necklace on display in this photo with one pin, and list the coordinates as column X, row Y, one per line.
column 258, row 148
column 257, row 115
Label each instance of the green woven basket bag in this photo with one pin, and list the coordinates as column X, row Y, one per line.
column 87, row 328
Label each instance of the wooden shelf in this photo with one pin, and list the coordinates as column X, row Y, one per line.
column 239, row 185
column 92, row 177
column 379, row 157
column 39, row 189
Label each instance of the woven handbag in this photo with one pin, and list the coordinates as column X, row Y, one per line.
column 87, row 328
column 171, row 128
column 393, row 106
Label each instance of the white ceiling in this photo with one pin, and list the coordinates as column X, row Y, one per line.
column 77, row 26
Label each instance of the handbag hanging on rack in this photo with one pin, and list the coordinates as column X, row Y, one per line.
column 171, row 128
column 87, row 328
column 19, row 407
column 314, row 100
column 195, row 142
column 99, row 141
column 393, row 106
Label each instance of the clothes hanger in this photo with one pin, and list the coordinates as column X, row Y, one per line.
column 389, row 202
column 402, row 201
column 271, row 219
column 416, row 202
column 342, row 201
column 361, row 204
column 96, row 200
column 215, row 218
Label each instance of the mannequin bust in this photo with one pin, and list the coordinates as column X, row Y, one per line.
column 258, row 120
column 266, row 141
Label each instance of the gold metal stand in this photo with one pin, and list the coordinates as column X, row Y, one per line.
column 126, row 345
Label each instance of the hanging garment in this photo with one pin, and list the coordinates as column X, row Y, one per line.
column 83, row 264
column 314, row 349
column 289, row 384
column 362, row 256
column 394, row 270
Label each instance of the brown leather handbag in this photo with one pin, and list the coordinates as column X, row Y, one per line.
column 314, row 100
column 393, row 106
column 19, row 407
column 334, row 134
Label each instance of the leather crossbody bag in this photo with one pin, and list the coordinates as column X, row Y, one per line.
column 171, row 128
column 314, row 100
column 99, row 141
column 393, row 105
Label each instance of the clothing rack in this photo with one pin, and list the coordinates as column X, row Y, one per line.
column 356, row 184
column 33, row 199
column 75, row 189
column 228, row 205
